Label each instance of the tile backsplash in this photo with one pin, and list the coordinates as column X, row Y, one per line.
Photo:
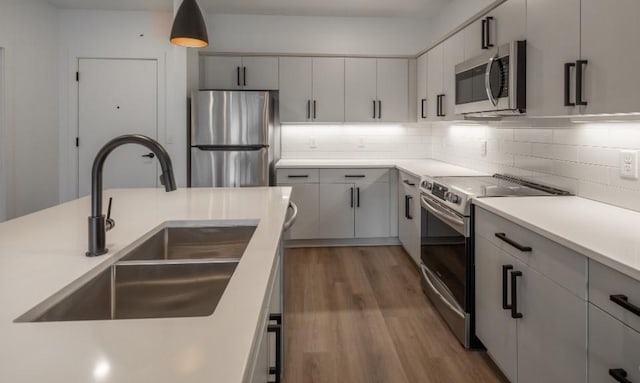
column 356, row 141
column 582, row 158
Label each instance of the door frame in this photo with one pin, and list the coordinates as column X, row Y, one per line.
column 69, row 167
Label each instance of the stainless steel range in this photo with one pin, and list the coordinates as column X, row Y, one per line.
column 447, row 241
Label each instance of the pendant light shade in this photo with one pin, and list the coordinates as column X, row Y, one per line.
column 189, row 29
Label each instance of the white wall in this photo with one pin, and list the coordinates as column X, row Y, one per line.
column 29, row 155
column 112, row 34
column 316, row 35
column 583, row 158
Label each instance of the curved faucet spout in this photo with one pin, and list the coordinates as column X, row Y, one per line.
column 97, row 220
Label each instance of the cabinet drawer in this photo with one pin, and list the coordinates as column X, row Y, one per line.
column 607, row 285
column 349, row 176
column 410, row 183
column 562, row 265
column 297, row 176
column 612, row 346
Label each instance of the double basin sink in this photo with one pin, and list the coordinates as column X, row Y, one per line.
column 176, row 272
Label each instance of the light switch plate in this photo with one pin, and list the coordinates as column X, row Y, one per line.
column 312, row 143
column 483, row 148
column 629, row 164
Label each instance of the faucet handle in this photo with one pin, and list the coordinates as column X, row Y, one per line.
column 110, row 222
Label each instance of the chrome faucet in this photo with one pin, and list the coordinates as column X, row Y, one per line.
column 98, row 225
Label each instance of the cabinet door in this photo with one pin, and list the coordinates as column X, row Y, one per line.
column 221, row 72
column 453, row 54
column 409, row 223
column 393, row 90
column 307, row 198
column 494, row 325
column 551, row 333
column 260, row 73
column 553, row 39
column 509, row 22
column 360, row 89
column 473, row 45
column 337, row 203
column 372, row 210
column 612, row 346
column 422, row 87
column 328, row 89
column 610, row 32
column 434, row 83
column 295, row 89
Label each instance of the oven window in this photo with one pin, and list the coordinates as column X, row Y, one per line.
column 443, row 251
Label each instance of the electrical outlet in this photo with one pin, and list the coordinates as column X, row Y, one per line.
column 483, row 148
column 629, row 164
column 361, row 144
column 312, row 143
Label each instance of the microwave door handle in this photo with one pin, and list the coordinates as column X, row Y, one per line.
column 487, row 80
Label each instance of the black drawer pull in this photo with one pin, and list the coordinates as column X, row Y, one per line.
column 503, row 237
column 358, row 197
column 619, row 375
column 409, row 183
column 298, row 176
column 514, row 295
column 623, row 300
column 354, row 176
column 505, row 286
column 352, row 191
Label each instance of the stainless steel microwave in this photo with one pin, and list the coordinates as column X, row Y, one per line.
column 493, row 83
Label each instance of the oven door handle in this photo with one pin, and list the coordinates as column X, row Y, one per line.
column 427, row 274
column 487, row 80
column 450, row 219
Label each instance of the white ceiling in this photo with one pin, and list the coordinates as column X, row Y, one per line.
column 355, row 8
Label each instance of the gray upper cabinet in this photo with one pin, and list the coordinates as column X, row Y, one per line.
column 422, row 90
column 328, row 89
column 452, row 55
column 435, row 87
column 239, row 73
column 504, row 24
column 377, row 90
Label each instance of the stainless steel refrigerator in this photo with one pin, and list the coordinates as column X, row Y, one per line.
column 232, row 138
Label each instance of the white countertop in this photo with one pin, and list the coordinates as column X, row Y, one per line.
column 604, row 233
column 417, row 168
column 43, row 252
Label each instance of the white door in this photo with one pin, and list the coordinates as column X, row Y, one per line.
column 337, row 204
column 307, row 199
column 610, row 31
column 393, row 90
column 453, row 54
column 434, row 84
column 553, row 40
column 422, row 87
column 259, row 73
column 295, row 89
column 117, row 97
column 372, row 210
column 360, row 89
column 551, row 333
column 221, row 72
column 328, row 89
column 494, row 325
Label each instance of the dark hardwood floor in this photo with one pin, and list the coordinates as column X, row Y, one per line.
column 358, row 315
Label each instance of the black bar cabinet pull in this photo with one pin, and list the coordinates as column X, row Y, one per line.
column 489, row 20
column 358, row 197
column 298, row 176
column 238, row 75
column 505, row 286
column 514, row 295
column 352, row 197
column 619, row 375
column 567, row 84
column 409, row 183
column 308, row 109
column 315, row 108
column 379, row 109
column 424, row 100
column 524, row 249
column 354, row 176
column 623, row 300
column 484, row 34
column 374, row 110
column 409, row 216
column 277, row 330
column 244, row 75
column 579, row 81
column 406, row 206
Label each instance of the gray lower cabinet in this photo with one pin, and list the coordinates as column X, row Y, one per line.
column 531, row 324
column 337, row 207
column 409, row 214
column 306, row 197
column 372, row 210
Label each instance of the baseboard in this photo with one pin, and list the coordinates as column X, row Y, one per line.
column 392, row 241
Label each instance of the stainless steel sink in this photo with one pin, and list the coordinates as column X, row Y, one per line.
column 148, row 289
column 173, row 243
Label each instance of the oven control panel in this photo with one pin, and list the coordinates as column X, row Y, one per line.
column 450, row 196
column 439, row 191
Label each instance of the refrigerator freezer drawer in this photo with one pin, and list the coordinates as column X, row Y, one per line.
column 229, row 168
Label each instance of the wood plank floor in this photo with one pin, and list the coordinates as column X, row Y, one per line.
column 358, row 315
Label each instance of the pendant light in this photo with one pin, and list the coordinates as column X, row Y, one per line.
column 189, row 29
